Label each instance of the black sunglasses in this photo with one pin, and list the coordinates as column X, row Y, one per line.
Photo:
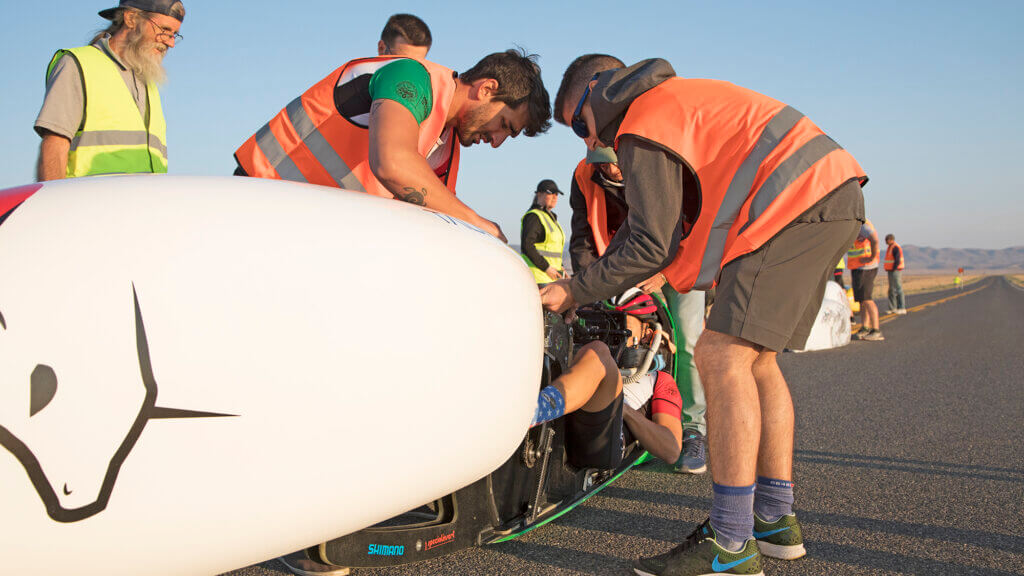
column 577, row 123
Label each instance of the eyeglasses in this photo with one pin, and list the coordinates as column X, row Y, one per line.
column 577, row 123
column 164, row 32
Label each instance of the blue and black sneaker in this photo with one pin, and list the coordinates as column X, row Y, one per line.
column 693, row 458
column 700, row 555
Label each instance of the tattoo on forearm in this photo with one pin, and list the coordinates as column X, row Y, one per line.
column 413, row 196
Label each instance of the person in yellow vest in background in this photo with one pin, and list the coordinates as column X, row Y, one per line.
column 862, row 260
column 894, row 267
column 102, row 112
column 542, row 240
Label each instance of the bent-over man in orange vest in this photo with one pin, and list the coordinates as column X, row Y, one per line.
column 730, row 187
column 391, row 127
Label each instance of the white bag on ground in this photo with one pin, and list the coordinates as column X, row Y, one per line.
column 832, row 326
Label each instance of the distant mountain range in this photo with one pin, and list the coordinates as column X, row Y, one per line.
column 920, row 258
column 925, row 258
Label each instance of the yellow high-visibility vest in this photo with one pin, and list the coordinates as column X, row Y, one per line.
column 114, row 138
column 551, row 248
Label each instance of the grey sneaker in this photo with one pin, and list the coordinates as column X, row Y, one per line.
column 700, row 555
column 874, row 336
column 300, row 564
column 901, row 311
column 693, row 458
column 860, row 334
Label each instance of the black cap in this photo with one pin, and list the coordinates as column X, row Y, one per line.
column 548, row 186
column 164, row 7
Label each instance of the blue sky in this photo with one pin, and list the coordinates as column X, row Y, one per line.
column 926, row 95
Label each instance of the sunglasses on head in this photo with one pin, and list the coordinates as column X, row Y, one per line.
column 577, row 123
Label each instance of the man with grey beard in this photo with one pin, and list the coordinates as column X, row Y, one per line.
column 102, row 112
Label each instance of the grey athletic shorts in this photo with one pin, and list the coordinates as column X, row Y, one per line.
column 771, row 297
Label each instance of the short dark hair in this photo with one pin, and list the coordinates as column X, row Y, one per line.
column 579, row 73
column 407, row 27
column 519, row 82
column 890, row 237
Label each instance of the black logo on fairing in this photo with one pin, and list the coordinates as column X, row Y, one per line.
column 44, row 387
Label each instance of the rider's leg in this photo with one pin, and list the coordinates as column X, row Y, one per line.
column 593, row 380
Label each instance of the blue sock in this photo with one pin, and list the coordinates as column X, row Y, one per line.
column 550, row 405
column 732, row 515
column 773, row 498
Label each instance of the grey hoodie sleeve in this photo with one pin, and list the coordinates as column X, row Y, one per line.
column 654, row 192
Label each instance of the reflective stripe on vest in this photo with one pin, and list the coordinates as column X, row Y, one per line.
column 597, row 210
column 310, row 141
column 114, row 137
column 759, row 165
column 551, row 248
column 890, row 260
column 861, row 248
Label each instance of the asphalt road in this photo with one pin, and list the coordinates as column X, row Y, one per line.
column 910, row 460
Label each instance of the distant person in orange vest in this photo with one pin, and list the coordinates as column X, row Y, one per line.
column 405, row 35
column 894, row 267
column 862, row 260
column 392, row 127
column 730, row 187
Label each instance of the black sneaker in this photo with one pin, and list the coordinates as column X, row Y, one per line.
column 700, row 555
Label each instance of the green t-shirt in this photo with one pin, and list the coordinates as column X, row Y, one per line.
column 407, row 82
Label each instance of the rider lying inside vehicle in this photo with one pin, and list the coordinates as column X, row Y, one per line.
column 592, row 395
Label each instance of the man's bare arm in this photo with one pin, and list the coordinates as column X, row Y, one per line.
column 663, row 437
column 396, row 162
column 53, row 157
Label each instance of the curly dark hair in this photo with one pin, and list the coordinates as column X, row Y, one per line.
column 519, row 82
column 579, row 73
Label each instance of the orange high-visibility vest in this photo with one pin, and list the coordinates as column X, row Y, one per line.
column 759, row 165
column 310, row 140
column 597, row 210
column 890, row 261
column 861, row 248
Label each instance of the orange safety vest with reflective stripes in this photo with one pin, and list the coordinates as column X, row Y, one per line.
column 311, row 141
column 861, row 248
column 890, row 261
column 597, row 210
column 759, row 165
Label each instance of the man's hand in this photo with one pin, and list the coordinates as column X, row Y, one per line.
column 492, row 228
column 652, row 284
column 556, row 296
column 865, row 259
column 553, row 274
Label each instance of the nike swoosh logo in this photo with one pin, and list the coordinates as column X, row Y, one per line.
column 719, row 567
column 760, row 535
